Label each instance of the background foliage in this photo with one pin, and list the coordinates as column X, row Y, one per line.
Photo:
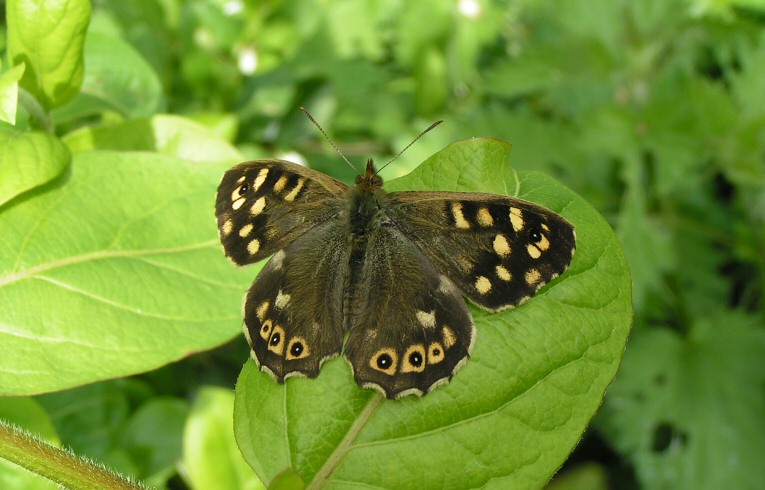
column 653, row 110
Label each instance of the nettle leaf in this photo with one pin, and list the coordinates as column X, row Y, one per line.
column 9, row 93
column 112, row 269
column 48, row 37
column 510, row 416
column 687, row 411
column 28, row 159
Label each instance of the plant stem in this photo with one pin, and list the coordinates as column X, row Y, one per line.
column 57, row 464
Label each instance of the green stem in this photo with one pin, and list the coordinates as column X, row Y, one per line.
column 36, row 110
column 56, row 464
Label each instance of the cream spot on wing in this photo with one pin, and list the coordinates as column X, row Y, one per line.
column 449, row 338
column 297, row 348
column 501, row 246
column 258, row 206
column 238, row 203
column 265, row 330
column 503, row 273
column 533, row 251
column 277, row 259
column 253, row 246
column 240, row 179
column 282, row 300
column 262, row 310
column 516, row 218
column 276, row 342
column 459, row 217
column 295, row 190
column 260, row 179
column 543, row 244
column 533, row 277
column 484, row 217
column 435, row 353
column 279, row 186
column 245, row 230
column 545, row 227
column 227, row 228
column 446, row 286
column 384, row 360
column 483, row 284
column 427, row 319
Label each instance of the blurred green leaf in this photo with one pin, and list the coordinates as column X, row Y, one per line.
column 164, row 134
column 153, row 437
column 687, row 411
column 536, row 376
column 9, row 93
column 136, row 269
column 117, row 79
column 48, row 37
column 29, row 159
column 211, row 458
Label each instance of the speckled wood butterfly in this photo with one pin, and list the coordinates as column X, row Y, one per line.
column 385, row 270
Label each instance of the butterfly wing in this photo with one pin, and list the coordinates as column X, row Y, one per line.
column 293, row 311
column 497, row 249
column 410, row 329
column 264, row 205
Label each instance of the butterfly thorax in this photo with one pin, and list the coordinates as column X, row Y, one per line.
column 366, row 212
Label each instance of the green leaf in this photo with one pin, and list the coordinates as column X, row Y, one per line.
column 153, row 438
column 28, row 159
column 688, row 411
column 211, row 458
column 117, row 79
column 170, row 135
column 509, row 418
column 9, row 93
column 113, row 269
column 30, row 416
column 48, row 37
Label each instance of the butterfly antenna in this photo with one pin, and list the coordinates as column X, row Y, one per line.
column 309, row 116
column 410, row 144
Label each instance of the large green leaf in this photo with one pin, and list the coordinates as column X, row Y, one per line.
column 114, row 268
column 48, row 37
column 509, row 418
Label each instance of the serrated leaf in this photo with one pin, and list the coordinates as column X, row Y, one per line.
column 27, row 160
column 9, row 93
column 117, row 79
column 211, row 458
column 113, row 269
column 48, row 38
column 687, row 411
column 509, row 418
column 167, row 134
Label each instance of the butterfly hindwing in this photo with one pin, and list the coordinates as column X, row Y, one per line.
column 499, row 250
column 410, row 327
column 293, row 311
column 264, row 205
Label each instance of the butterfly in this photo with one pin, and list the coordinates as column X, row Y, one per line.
column 378, row 276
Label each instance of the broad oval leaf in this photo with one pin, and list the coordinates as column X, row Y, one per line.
column 28, row 159
column 162, row 133
column 509, row 418
column 48, row 37
column 112, row 269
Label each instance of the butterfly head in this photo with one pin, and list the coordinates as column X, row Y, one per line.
column 370, row 180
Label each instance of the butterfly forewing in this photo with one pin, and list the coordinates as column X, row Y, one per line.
column 264, row 205
column 410, row 328
column 498, row 250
